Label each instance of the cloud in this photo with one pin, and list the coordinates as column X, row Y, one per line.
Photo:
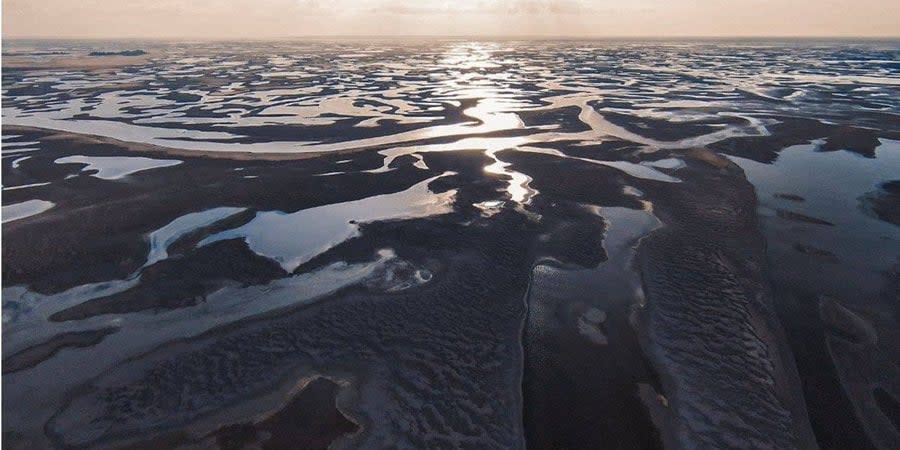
column 283, row 18
column 433, row 7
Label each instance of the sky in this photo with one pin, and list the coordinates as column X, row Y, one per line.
column 586, row 18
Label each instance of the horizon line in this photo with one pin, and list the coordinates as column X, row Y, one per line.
column 452, row 36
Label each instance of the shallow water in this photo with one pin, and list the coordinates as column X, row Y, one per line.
column 115, row 167
column 489, row 244
column 25, row 209
column 315, row 230
column 833, row 187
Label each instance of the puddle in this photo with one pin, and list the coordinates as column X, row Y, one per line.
column 25, row 209
column 161, row 239
column 116, row 167
column 831, row 185
column 294, row 238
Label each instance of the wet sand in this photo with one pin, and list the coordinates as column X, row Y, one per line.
column 552, row 261
column 66, row 61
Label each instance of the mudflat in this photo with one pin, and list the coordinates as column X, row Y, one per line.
column 481, row 244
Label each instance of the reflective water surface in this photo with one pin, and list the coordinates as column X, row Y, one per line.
column 452, row 243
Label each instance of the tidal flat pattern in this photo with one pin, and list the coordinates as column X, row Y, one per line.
column 452, row 244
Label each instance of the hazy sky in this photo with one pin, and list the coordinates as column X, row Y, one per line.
column 284, row 18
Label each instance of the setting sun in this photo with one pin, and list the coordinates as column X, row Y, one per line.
column 602, row 18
